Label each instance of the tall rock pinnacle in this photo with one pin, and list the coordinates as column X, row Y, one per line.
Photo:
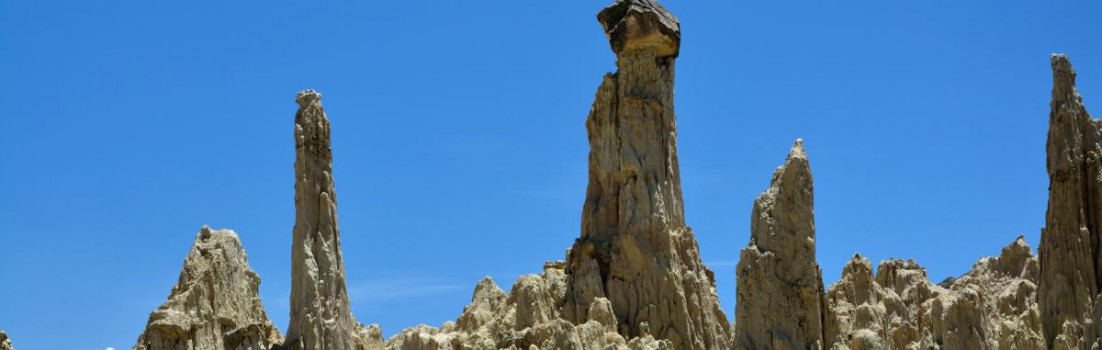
column 1070, row 255
column 780, row 286
column 635, row 249
column 320, row 314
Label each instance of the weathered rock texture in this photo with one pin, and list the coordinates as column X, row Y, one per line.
column 320, row 315
column 5, row 342
column 635, row 249
column 1071, row 260
column 993, row 306
column 780, row 286
column 215, row 303
column 525, row 318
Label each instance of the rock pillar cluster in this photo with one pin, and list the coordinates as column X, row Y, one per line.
column 780, row 286
column 635, row 249
column 1071, row 258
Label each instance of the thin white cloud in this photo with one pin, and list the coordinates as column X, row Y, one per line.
column 389, row 288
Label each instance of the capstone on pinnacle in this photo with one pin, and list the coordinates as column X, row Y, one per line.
column 637, row 24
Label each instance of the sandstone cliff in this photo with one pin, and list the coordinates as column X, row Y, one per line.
column 780, row 286
column 215, row 304
column 1070, row 253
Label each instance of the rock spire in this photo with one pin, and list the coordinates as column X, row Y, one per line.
column 1071, row 256
column 215, row 304
column 780, row 286
column 635, row 249
column 320, row 315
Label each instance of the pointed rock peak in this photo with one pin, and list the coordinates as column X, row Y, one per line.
column 1016, row 259
column 308, row 97
column 641, row 24
column 487, row 287
column 797, row 150
column 215, row 303
column 1063, row 74
column 796, row 168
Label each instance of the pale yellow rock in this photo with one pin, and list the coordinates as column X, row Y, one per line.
column 215, row 303
column 635, row 249
column 321, row 317
column 1070, row 273
column 780, row 286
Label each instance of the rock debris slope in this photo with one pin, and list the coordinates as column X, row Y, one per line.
column 215, row 304
column 635, row 249
column 780, row 286
column 320, row 315
column 1070, row 256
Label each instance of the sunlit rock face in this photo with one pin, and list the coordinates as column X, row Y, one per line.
column 1071, row 258
column 780, row 286
column 215, row 303
column 635, row 249
column 321, row 318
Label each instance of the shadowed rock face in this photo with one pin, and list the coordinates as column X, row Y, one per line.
column 320, row 314
column 1070, row 252
column 635, row 249
column 215, row 304
column 780, row 286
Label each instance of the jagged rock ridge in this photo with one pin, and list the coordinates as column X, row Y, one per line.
column 215, row 304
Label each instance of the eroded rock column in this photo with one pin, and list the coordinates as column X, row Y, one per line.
column 635, row 249
column 780, row 286
column 1069, row 251
column 320, row 315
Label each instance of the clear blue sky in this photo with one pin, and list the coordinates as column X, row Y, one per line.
column 459, row 140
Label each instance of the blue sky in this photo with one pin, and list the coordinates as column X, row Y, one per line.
column 459, row 140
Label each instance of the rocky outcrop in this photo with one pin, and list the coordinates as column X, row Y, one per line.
column 635, row 249
column 320, row 314
column 993, row 306
column 527, row 317
column 1071, row 260
column 780, row 286
column 5, row 342
column 215, row 303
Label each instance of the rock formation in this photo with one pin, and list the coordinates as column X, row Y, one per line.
column 634, row 279
column 635, row 249
column 993, row 306
column 5, row 343
column 527, row 317
column 320, row 315
column 780, row 286
column 1071, row 260
column 215, row 304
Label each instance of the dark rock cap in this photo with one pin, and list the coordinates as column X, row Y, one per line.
column 638, row 24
